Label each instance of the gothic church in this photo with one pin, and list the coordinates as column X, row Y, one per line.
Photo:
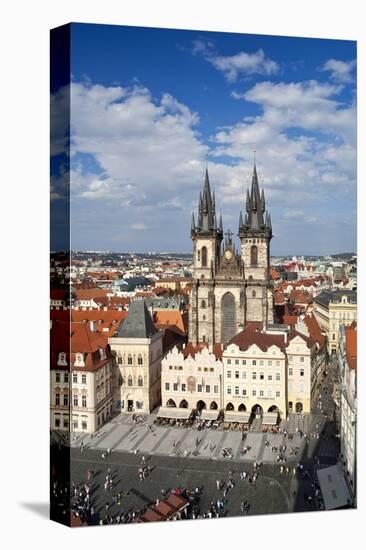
column 230, row 287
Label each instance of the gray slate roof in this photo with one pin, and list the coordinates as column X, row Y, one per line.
column 138, row 323
column 335, row 296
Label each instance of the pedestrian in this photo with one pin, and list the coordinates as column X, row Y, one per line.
column 82, row 447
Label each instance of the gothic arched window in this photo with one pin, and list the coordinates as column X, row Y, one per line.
column 129, row 381
column 204, row 256
column 139, row 381
column 199, row 255
column 228, row 317
column 253, row 294
column 139, row 360
column 254, row 255
column 129, row 360
column 203, row 304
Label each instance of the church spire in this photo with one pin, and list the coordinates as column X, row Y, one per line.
column 263, row 202
column 207, row 221
column 255, row 206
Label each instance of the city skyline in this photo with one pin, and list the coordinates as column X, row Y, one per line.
column 142, row 138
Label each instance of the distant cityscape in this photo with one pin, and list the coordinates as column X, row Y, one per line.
column 256, row 351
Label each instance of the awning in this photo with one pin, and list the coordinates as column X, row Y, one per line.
column 237, row 416
column 270, row 418
column 334, row 487
column 174, row 412
column 209, row 414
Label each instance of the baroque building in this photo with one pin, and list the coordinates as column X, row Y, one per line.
column 230, row 288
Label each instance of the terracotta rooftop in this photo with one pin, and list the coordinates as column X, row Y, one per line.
column 314, row 329
column 300, row 297
column 252, row 334
column 192, row 349
column 290, row 320
column 90, row 293
column 72, row 338
column 169, row 317
column 351, row 347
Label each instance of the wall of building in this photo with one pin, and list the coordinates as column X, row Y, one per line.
column 140, row 390
column 192, row 379
column 253, row 377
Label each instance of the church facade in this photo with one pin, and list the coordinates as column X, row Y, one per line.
column 230, row 287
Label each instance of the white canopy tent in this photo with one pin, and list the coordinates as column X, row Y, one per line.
column 174, row 412
column 270, row 418
column 334, row 487
column 209, row 414
column 237, row 416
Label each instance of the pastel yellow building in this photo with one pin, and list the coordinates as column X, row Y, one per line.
column 333, row 309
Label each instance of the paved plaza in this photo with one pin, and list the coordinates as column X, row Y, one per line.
column 188, row 458
column 308, row 436
column 122, row 434
column 286, row 491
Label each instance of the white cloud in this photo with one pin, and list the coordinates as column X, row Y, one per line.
column 147, row 149
column 289, row 214
column 304, row 138
column 138, row 226
column 150, row 155
column 340, row 71
column 244, row 63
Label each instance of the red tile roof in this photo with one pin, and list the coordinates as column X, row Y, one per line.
column 274, row 274
column 314, row 329
column 290, row 320
column 192, row 349
column 90, row 293
column 351, row 347
column 279, row 298
column 252, row 334
column 300, row 297
column 169, row 317
column 72, row 338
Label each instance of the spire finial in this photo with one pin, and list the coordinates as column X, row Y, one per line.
column 254, row 152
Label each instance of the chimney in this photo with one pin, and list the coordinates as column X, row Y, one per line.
column 93, row 326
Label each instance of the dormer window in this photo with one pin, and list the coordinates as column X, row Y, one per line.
column 61, row 358
column 79, row 359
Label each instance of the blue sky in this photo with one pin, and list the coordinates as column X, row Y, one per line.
column 148, row 105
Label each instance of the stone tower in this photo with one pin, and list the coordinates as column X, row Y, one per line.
column 255, row 233
column 229, row 288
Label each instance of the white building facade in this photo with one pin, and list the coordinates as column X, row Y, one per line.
column 192, row 378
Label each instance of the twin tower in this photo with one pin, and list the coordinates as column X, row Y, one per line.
column 230, row 288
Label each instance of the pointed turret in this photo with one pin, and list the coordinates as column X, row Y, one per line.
column 220, row 224
column 193, row 225
column 255, row 219
column 240, row 221
column 247, row 206
column 206, row 209
column 263, row 202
